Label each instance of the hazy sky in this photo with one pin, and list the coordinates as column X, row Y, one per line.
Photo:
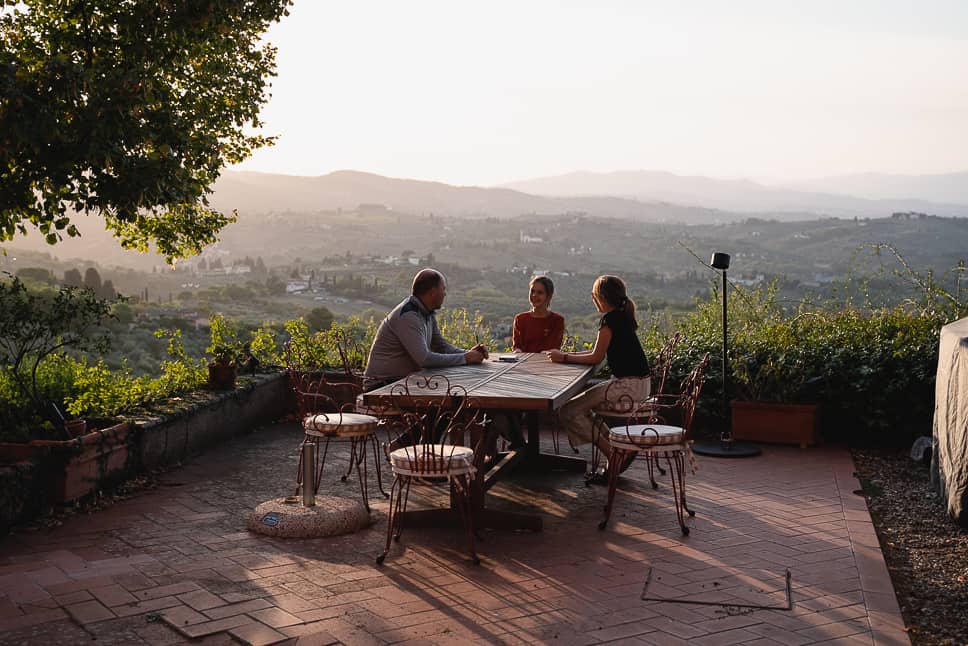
column 487, row 92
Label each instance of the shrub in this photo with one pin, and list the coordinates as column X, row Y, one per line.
column 34, row 327
column 463, row 329
column 871, row 370
column 101, row 392
column 342, row 345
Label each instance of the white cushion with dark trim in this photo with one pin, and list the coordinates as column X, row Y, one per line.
column 646, row 435
column 432, row 460
column 340, row 424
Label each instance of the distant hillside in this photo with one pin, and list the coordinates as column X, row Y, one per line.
column 729, row 195
column 950, row 187
column 636, row 196
column 253, row 193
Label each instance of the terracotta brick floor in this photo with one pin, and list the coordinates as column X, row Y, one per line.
column 176, row 565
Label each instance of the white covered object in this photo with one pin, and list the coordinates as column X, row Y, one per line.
column 950, row 459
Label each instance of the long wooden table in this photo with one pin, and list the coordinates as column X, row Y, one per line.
column 530, row 383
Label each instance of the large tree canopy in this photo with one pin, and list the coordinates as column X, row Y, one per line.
column 128, row 109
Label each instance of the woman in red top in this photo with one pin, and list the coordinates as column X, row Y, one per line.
column 540, row 329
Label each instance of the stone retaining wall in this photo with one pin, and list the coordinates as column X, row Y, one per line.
column 205, row 421
column 172, row 439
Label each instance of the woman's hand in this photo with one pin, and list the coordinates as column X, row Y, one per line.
column 557, row 356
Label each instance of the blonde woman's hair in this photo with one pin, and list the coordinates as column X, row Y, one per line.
column 612, row 290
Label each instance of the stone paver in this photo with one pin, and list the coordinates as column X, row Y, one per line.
column 257, row 635
column 174, row 564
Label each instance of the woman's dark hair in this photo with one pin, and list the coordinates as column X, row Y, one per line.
column 546, row 283
column 611, row 290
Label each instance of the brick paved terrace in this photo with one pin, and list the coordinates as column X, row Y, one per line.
column 176, row 565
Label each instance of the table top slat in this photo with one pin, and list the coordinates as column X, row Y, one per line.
column 532, row 382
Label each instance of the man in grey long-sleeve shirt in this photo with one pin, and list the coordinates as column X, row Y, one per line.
column 408, row 339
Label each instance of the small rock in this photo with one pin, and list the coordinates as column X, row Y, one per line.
column 921, row 450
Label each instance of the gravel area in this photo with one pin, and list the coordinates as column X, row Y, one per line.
column 926, row 552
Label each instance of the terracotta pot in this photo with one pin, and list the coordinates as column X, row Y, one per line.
column 75, row 427
column 75, row 468
column 221, row 376
column 777, row 423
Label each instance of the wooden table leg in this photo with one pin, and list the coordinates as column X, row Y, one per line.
column 535, row 460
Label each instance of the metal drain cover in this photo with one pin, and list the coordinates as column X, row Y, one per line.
column 758, row 589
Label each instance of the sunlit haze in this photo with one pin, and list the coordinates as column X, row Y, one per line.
column 483, row 93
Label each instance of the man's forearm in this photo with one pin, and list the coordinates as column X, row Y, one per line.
column 441, row 359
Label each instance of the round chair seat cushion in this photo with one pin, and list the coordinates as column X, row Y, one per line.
column 340, row 424
column 432, row 460
column 646, row 435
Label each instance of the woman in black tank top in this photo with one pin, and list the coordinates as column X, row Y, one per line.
column 619, row 344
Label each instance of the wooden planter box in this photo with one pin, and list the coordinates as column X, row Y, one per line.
column 778, row 423
column 71, row 469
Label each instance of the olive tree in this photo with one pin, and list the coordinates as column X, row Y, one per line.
column 128, row 110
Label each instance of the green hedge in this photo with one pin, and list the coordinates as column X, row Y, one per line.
column 872, row 371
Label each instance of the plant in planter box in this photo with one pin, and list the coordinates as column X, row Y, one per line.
column 776, row 378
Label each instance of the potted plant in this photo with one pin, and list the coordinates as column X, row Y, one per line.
column 227, row 352
column 75, row 427
column 222, row 369
column 776, row 395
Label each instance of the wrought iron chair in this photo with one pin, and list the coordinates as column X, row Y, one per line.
column 629, row 398
column 383, row 410
column 436, row 417
column 656, row 439
column 327, row 412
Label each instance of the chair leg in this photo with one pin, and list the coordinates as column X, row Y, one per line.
column 675, row 472
column 681, row 464
column 320, row 464
column 652, row 461
column 299, row 471
column 658, row 465
column 376, row 464
column 358, row 451
column 596, row 458
column 614, row 459
column 393, row 515
column 403, row 507
column 349, row 467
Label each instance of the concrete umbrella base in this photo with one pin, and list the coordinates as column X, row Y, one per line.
column 288, row 518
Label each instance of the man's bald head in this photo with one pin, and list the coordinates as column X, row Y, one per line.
column 426, row 280
column 430, row 286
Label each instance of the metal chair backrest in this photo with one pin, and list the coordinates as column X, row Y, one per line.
column 435, row 418
column 681, row 406
column 663, row 362
column 306, row 375
column 689, row 393
column 636, row 399
column 315, row 395
column 347, row 349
